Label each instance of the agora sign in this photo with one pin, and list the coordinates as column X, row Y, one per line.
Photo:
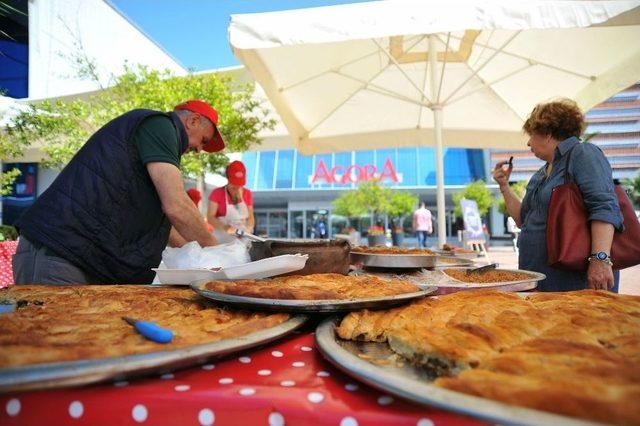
column 354, row 174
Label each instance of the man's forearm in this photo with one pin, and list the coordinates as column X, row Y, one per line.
column 190, row 224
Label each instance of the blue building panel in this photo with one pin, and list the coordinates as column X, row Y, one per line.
column 266, row 164
column 284, row 172
column 304, row 169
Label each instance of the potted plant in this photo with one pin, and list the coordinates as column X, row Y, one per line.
column 376, row 236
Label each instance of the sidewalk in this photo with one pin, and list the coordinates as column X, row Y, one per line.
column 507, row 258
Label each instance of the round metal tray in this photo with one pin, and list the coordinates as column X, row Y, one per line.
column 72, row 373
column 375, row 260
column 307, row 306
column 369, row 363
column 452, row 285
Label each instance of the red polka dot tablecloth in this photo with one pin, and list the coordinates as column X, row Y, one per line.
column 286, row 383
column 7, row 250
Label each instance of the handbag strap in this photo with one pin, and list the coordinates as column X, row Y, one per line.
column 566, row 164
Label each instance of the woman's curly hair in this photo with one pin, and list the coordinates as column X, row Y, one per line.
column 561, row 119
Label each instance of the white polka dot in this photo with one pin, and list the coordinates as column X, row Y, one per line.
column 298, row 364
column 225, row 381
column 287, row 383
column 182, row 388
column 424, row 422
column 323, row 374
column 244, row 359
column 385, row 400
column 247, row 391
column 351, row 387
column 167, row 376
column 277, row 354
column 306, row 349
column 208, row 367
column 264, row 373
column 206, row 417
column 121, row 384
column 276, row 419
column 13, row 407
column 315, row 397
column 139, row 413
column 348, row 421
column 76, row 409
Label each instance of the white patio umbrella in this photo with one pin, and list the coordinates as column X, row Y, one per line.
column 420, row 73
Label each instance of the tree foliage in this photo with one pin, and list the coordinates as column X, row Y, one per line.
column 477, row 191
column 370, row 197
column 633, row 188
column 519, row 188
column 349, row 204
column 63, row 125
column 402, row 204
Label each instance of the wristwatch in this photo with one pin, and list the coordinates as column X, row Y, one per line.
column 600, row 256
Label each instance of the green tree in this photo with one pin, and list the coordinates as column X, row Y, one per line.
column 633, row 187
column 519, row 188
column 375, row 199
column 63, row 126
column 477, row 191
column 349, row 205
column 8, row 150
column 402, row 203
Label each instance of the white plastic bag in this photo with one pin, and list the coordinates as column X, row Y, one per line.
column 192, row 256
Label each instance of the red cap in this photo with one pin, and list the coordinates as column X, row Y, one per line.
column 237, row 173
column 195, row 196
column 201, row 107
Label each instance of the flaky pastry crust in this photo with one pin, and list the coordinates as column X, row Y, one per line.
column 314, row 287
column 575, row 353
column 66, row 323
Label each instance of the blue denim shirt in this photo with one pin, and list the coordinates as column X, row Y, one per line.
column 591, row 171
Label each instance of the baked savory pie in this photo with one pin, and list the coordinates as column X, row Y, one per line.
column 66, row 323
column 575, row 353
column 486, row 277
column 392, row 250
column 314, row 287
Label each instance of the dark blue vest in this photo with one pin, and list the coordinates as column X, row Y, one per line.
column 102, row 212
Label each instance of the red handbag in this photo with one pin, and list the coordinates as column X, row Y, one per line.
column 569, row 232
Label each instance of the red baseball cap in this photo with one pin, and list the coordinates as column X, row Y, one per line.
column 237, row 173
column 201, row 107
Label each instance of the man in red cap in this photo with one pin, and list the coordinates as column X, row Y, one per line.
column 231, row 206
column 107, row 216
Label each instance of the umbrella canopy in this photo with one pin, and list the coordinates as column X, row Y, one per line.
column 415, row 73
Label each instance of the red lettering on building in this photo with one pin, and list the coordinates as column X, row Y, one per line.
column 354, row 173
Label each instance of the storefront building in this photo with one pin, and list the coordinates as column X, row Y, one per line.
column 293, row 193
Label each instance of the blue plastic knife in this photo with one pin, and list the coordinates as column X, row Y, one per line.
column 150, row 330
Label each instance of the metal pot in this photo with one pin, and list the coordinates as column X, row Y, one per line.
column 324, row 255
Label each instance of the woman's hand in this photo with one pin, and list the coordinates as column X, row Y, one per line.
column 501, row 175
column 599, row 275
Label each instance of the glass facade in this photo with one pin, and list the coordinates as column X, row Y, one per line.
column 414, row 167
column 14, row 50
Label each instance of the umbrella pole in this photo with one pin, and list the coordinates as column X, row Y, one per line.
column 437, row 128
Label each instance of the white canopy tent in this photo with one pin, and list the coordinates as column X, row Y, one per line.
column 439, row 73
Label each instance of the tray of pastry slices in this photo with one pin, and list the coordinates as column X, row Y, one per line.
column 59, row 336
column 401, row 257
column 452, row 279
column 312, row 293
column 487, row 355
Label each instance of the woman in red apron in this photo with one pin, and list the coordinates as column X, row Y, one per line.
column 231, row 206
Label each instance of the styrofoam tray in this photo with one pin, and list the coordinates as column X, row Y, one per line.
column 264, row 268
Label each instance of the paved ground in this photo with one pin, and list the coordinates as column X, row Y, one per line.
column 507, row 258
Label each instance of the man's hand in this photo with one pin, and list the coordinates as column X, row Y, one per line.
column 599, row 275
column 500, row 174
